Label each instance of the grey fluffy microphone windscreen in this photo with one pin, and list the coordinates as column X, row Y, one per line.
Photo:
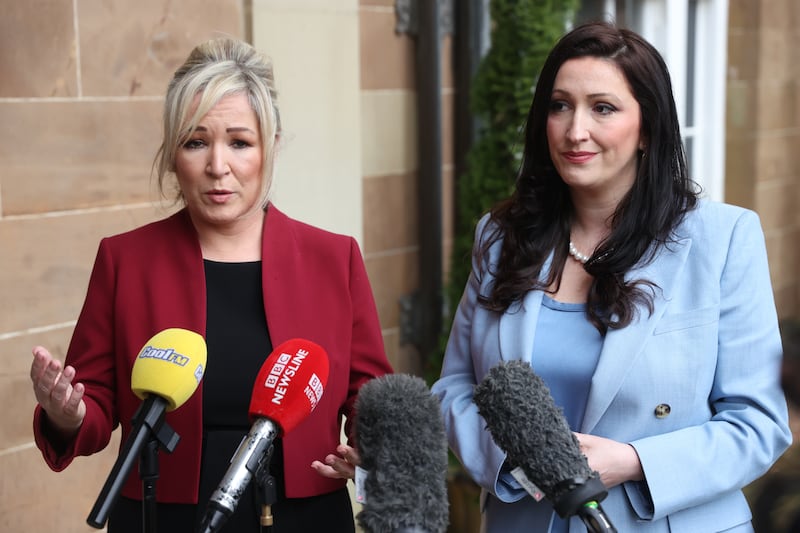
column 525, row 422
column 400, row 438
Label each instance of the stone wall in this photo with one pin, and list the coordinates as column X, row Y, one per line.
column 763, row 132
column 80, row 110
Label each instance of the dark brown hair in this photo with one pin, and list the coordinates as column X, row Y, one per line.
column 535, row 220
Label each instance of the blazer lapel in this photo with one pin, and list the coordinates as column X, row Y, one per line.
column 282, row 277
column 517, row 326
column 621, row 347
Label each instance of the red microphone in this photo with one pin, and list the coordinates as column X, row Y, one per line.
column 288, row 387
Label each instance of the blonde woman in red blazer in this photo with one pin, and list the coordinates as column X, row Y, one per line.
column 220, row 125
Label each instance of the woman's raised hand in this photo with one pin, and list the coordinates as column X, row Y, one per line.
column 60, row 399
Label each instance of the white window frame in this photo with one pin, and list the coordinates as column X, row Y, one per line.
column 665, row 24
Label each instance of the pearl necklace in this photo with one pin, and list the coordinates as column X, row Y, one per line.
column 579, row 257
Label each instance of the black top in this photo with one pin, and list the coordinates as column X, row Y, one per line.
column 238, row 343
column 237, row 340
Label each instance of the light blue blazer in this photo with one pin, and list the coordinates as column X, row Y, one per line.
column 711, row 351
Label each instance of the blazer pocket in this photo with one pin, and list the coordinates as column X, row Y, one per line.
column 689, row 319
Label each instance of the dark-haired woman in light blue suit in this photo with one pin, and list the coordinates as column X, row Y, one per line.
column 647, row 311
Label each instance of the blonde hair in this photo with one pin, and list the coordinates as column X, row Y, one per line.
column 215, row 69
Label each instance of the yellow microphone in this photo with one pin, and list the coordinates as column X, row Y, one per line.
column 170, row 365
column 165, row 374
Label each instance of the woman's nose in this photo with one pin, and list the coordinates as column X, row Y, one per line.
column 217, row 165
column 578, row 127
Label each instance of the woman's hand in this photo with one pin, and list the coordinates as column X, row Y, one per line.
column 342, row 466
column 54, row 391
column 616, row 462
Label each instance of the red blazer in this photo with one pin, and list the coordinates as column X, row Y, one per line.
column 152, row 278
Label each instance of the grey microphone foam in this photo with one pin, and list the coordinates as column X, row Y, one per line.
column 401, row 440
column 525, row 423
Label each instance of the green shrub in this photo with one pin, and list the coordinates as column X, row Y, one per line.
column 522, row 34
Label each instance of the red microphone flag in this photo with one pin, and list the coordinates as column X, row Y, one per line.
column 290, row 383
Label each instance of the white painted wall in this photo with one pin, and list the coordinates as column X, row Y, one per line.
column 314, row 45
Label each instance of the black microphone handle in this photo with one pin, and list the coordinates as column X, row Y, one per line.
column 581, row 497
column 147, row 420
column 595, row 519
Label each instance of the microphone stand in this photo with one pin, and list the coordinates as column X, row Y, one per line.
column 166, row 438
column 267, row 494
column 266, row 490
column 150, row 432
column 148, row 471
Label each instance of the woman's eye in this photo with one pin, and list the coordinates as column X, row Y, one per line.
column 604, row 109
column 192, row 144
column 557, row 105
column 240, row 144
